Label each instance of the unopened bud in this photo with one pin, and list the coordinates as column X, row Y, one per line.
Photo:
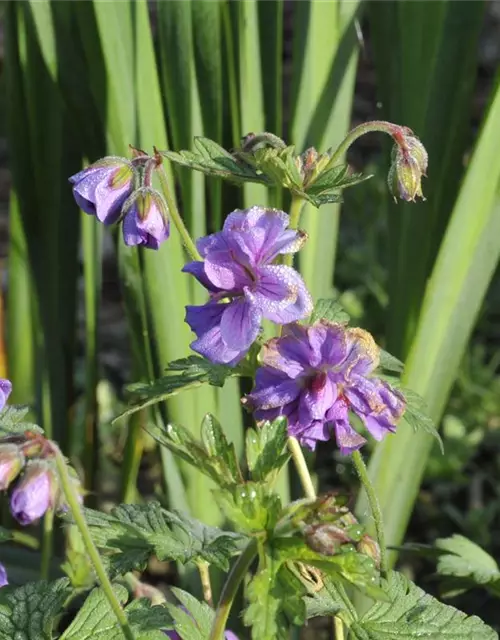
column 325, row 538
column 409, row 165
column 3, row 576
column 36, row 492
column 369, row 547
column 11, row 463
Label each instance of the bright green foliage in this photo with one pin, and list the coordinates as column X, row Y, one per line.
column 265, row 449
column 330, row 310
column 250, row 506
column 96, row 619
column 195, row 625
column 30, row 612
column 131, row 534
column 411, row 613
column 12, row 421
column 265, row 610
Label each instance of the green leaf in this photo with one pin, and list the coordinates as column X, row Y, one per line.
column 214, row 160
column 97, row 620
column 332, row 180
column 5, row 534
column 265, row 449
column 390, row 362
column 330, row 310
column 194, row 371
column 30, row 612
column 326, row 602
column 417, row 417
column 12, row 420
column 217, row 446
column 250, row 506
column 414, row 614
column 130, row 534
column 463, row 559
column 264, row 612
column 180, row 441
column 194, row 625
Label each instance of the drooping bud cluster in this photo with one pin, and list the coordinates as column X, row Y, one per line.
column 409, row 165
column 115, row 189
column 27, row 470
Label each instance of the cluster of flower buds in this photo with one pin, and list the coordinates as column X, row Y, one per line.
column 116, row 189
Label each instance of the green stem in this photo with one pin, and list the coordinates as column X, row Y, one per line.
column 235, row 578
column 47, row 541
column 176, row 216
column 72, row 499
column 357, row 132
column 231, row 74
column 338, row 627
column 374, row 506
column 295, row 211
column 301, row 466
column 25, row 539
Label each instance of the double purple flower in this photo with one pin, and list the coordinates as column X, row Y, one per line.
column 315, row 375
column 244, row 284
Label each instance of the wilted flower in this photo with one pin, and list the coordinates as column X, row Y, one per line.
column 5, row 389
column 244, row 285
column 315, row 375
column 3, row 576
column 102, row 188
column 34, row 494
column 146, row 220
column 409, row 165
column 11, row 463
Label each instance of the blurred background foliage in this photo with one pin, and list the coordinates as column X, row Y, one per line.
column 83, row 315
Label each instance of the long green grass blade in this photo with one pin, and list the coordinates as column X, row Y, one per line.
column 459, row 281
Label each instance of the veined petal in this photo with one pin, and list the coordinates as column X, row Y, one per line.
column 328, row 343
column 272, row 389
column 363, row 355
column 348, row 440
column 205, row 320
column 309, row 436
column 317, row 398
column 240, row 324
column 109, row 200
column 289, row 354
column 281, row 294
column 202, row 318
column 85, row 184
column 197, row 269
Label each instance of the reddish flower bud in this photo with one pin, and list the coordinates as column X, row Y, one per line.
column 409, row 165
column 369, row 547
column 325, row 538
column 11, row 463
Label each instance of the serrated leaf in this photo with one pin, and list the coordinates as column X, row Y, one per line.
column 217, row 446
column 30, row 612
column 131, row 534
column 264, row 612
column 324, row 198
column 97, row 620
column 180, row 441
column 265, row 449
column 417, row 417
column 214, row 160
column 412, row 613
column 330, row 310
column 338, row 177
column 462, row 558
column 194, row 371
column 390, row 362
column 194, row 623
column 250, row 506
column 12, row 421
column 326, row 602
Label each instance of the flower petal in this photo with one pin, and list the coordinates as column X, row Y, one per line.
column 205, row 321
column 281, row 294
column 317, row 399
column 240, row 324
column 109, row 200
column 272, row 389
column 85, row 184
column 316, row 431
column 197, row 269
column 348, row 440
column 328, row 343
column 289, row 354
column 5, row 390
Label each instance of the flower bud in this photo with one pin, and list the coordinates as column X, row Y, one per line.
column 325, row 538
column 146, row 220
column 36, row 492
column 11, row 463
column 5, row 389
column 102, row 188
column 409, row 164
column 3, row 576
column 369, row 547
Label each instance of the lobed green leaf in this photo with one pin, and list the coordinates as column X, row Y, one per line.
column 330, row 310
column 265, row 449
column 12, row 421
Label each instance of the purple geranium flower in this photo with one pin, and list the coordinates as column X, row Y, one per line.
column 3, row 576
column 146, row 220
column 5, row 389
column 315, row 375
column 102, row 188
column 244, row 285
column 11, row 464
column 34, row 494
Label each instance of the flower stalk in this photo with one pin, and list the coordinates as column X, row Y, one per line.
column 71, row 496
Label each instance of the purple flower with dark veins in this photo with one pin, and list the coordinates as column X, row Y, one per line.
column 146, row 220
column 3, row 576
column 102, row 188
column 244, row 284
column 34, row 494
column 315, row 375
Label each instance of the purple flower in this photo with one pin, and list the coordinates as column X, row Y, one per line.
column 244, row 285
column 5, row 389
column 146, row 220
column 34, row 494
column 315, row 376
column 102, row 188
column 11, row 463
column 3, row 576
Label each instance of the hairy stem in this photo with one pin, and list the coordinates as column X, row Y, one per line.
column 72, row 499
column 235, row 578
column 47, row 542
column 295, row 211
column 338, row 627
column 362, row 472
column 204, row 570
column 175, row 215
column 301, row 466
